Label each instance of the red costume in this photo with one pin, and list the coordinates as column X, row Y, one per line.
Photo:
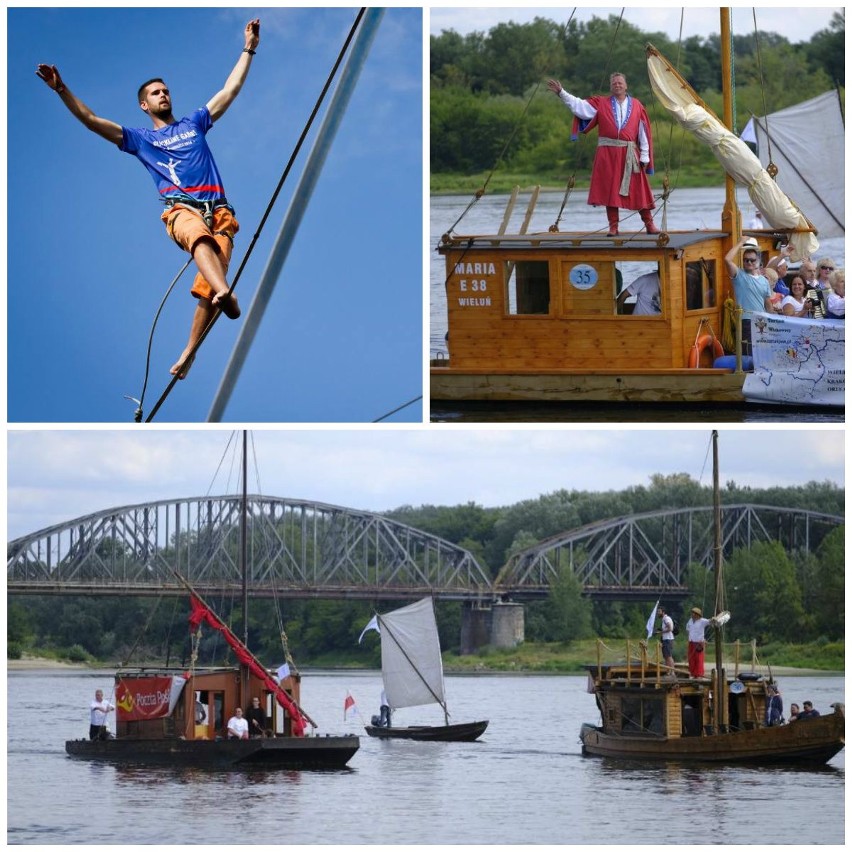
column 695, row 658
column 608, row 171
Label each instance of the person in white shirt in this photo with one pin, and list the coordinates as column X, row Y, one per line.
column 836, row 302
column 666, row 632
column 646, row 289
column 98, row 712
column 695, row 628
column 238, row 726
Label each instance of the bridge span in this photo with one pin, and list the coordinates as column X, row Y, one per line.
column 304, row 549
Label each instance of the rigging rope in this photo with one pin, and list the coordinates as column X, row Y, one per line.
column 141, row 401
column 771, row 168
column 398, row 408
column 269, row 207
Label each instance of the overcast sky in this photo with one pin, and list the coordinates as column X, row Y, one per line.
column 56, row 476
column 795, row 23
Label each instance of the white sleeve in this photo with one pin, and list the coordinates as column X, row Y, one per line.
column 644, row 151
column 580, row 108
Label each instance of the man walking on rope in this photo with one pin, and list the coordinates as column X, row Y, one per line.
column 625, row 150
column 197, row 215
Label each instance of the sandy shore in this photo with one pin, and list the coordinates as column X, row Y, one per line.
column 41, row 663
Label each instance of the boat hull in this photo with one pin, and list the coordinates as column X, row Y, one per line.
column 675, row 385
column 268, row 753
column 463, row 733
column 808, row 741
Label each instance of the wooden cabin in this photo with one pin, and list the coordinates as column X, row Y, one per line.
column 538, row 316
column 636, row 702
column 206, row 703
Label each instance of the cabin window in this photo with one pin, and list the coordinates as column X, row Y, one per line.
column 637, row 289
column 527, row 287
column 641, row 714
column 700, row 285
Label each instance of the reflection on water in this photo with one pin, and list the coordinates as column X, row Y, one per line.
column 608, row 412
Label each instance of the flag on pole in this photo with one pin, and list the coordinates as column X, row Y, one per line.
column 372, row 625
column 348, row 704
column 283, row 671
column 650, row 624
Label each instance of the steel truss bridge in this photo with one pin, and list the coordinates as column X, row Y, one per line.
column 313, row 550
column 646, row 555
column 294, row 548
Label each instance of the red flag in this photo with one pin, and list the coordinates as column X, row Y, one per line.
column 347, row 704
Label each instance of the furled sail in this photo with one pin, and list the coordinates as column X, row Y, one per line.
column 676, row 95
column 411, row 656
column 806, row 143
column 200, row 613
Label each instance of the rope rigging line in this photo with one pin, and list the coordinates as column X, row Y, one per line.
column 268, row 210
column 398, row 408
column 140, row 402
column 771, row 168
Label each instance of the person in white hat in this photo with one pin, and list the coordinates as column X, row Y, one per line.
column 751, row 289
column 695, row 628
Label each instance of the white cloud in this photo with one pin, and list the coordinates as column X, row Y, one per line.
column 55, row 476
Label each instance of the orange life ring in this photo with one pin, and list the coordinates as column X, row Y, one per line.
column 706, row 341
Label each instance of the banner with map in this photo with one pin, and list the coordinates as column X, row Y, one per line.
column 797, row 361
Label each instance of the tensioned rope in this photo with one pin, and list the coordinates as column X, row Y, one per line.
column 267, row 212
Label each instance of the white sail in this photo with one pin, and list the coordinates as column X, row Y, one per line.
column 806, row 144
column 735, row 156
column 411, row 656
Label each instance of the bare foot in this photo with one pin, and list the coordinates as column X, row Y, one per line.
column 227, row 304
column 181, row 369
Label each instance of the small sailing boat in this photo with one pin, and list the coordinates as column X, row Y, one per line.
column 179, row 717
column 413, row 674
column 649, row 712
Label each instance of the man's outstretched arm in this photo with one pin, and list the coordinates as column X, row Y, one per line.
column 102, row 126
column 224, row 98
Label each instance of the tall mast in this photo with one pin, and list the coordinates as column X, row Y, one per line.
column 731, row 218
column 720, row 697
column 244, row 672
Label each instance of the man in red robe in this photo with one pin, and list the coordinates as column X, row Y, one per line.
column 625, row 150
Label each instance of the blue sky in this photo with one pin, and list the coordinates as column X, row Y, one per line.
column 89, row 260
column 58, row 475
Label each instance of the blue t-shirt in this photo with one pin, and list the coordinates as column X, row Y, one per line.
column 751, row 292
column 177, row 156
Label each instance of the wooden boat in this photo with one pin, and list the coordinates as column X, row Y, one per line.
column 649, row 712
column 543, row 316
column 464, row 732
column 413, row 674
column 179, row 717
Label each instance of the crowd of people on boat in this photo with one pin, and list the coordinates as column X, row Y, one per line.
column 815, row 290
column 696, row 627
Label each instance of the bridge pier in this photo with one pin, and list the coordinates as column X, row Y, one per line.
column 500, row 625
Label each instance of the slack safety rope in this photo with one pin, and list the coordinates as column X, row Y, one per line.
column 269, row 207
column 141, row 401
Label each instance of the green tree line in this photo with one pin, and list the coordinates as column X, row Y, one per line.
column 489, row 107
column 775, row 596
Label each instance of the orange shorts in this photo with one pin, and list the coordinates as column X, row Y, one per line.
column 186, row 227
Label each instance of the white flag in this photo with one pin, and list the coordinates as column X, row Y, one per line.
column 650, row 625
column 283, row 671
column 373, row 625
column 748, row 134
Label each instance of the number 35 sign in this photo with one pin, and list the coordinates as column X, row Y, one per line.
column 583, row 276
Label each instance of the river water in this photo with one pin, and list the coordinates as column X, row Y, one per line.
column 687, row 209
column 524, row 782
